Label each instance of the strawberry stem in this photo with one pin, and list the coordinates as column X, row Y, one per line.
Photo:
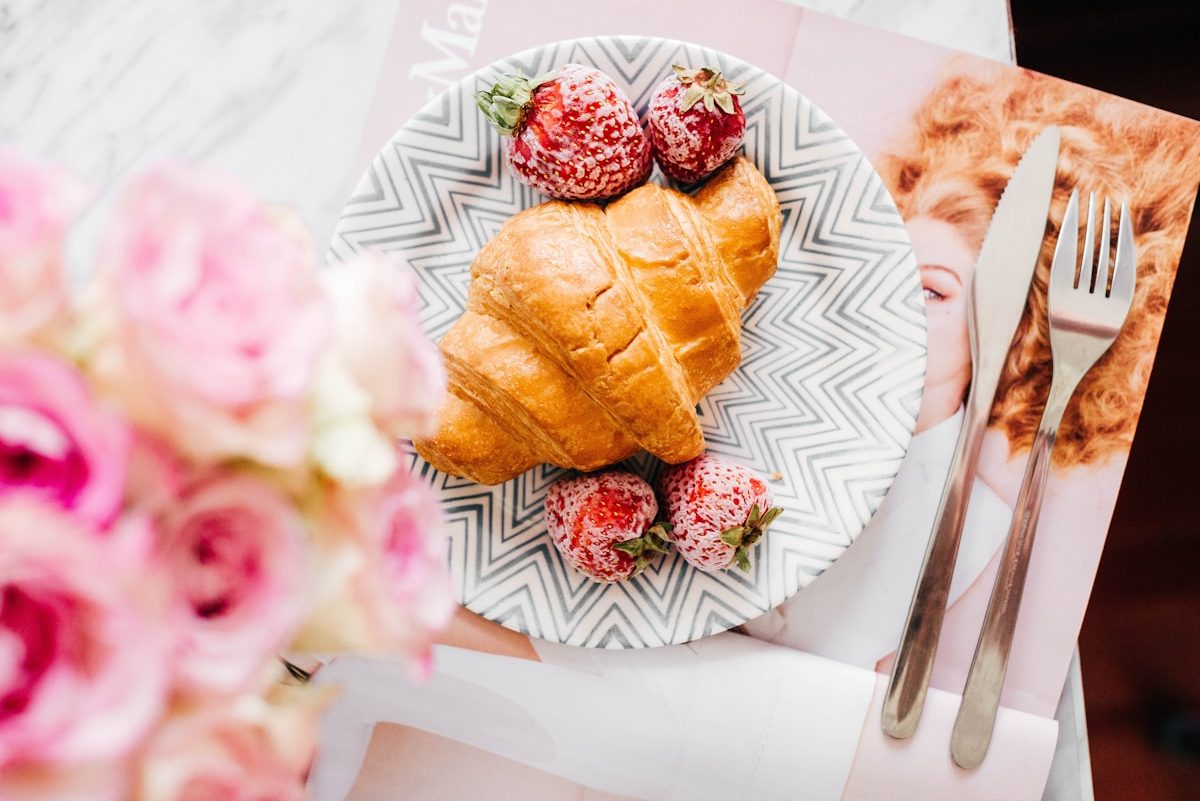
column 648, row 547
column 706, row 85
column 742, row 537
column 505, row 104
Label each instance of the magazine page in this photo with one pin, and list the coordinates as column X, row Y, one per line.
column 944, row 130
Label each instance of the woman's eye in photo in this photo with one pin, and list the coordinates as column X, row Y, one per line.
column 939, row 283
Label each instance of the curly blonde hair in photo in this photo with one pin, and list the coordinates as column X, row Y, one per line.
column 968, row 135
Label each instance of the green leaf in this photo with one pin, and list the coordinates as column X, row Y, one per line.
column 770, row 517
column 691, row 97
column 752, row 519
column 662, row 530
column 725, row 101
column 709, row 103
column 743, row 560
column 504, row 104
column 733, row 536
column 633, row 547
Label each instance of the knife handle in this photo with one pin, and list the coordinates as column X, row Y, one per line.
column 913, row 665
column 981, row 693
column 985, row 681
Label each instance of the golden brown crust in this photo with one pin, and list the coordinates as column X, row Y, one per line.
column 532, row 397
column 743, row 214
column 552, row 274
column 592, row 332
column 469, row 443
column 674, row 264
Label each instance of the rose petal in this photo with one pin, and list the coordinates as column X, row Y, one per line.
column 235, row 547
column 56, row 441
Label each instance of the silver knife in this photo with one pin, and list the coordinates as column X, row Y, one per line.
column 999, row 288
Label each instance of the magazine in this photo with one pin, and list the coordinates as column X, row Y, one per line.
column 506, row 716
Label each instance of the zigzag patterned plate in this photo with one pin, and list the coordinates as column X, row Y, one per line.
column 831, row 376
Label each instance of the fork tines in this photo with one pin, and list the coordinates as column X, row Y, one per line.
column 1094, row 268
column 1097, row 266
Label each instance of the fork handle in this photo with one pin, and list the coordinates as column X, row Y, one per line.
column 981, row 695
column 913, row 664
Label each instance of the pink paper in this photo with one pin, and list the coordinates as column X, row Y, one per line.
column 919, row 769
column 869, row 88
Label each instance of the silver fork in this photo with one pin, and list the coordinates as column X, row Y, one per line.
column 1087, row 310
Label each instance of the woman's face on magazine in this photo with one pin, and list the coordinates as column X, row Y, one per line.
column 945, row 260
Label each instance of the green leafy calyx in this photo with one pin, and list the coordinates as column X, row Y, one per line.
column 742, row 537
column 648, row 547
column 505, row 104
column 707, row 86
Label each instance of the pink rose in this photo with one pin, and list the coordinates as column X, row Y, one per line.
column 85, row 641
column 387, row 588
column 55, row 441
column 220, row 320
column 235, row 549
column 37, row 202
column 381, row 343
column 410, row 582
column 246, row 750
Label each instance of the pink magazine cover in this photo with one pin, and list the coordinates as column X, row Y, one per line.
column 944, row 130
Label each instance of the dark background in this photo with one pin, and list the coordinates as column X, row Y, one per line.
column 1140, row 644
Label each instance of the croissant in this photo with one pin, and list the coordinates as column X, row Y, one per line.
column 592, row 332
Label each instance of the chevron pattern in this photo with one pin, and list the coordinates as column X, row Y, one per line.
column 826, row 395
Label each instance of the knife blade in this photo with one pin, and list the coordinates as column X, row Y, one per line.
column 999, row 290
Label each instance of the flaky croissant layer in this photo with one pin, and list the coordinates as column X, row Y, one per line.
column 592, row 332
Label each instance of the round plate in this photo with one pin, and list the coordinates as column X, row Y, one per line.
column 833, row 352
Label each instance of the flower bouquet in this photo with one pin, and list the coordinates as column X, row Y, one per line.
column 198, row 473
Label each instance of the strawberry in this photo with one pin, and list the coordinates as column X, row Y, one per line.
column 716, row 511
column 574, row 133
column 601, row 524
column 695, row 122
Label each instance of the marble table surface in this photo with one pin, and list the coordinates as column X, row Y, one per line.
column 277, row 91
